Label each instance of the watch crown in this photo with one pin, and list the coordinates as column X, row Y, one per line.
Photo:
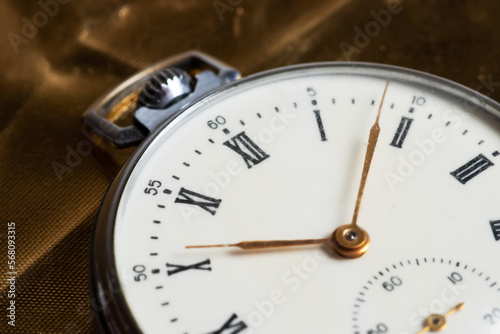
column 165, row 87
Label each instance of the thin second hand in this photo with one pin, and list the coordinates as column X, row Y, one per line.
column 441, row 325
column 370, row 150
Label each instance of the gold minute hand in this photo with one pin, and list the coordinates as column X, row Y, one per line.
column 370, row 150
column 351, row 241
column 263, row 244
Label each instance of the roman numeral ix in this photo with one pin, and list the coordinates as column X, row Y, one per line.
column 401, row 132
column 178, row 268
column 193, row 198
column 472, row 169
column 249, row 151
column 232, row 326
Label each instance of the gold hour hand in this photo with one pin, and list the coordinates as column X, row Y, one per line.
column 264, row 244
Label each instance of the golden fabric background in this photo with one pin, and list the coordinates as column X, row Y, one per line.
column 86, row 47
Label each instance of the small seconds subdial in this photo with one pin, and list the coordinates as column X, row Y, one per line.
column 417, row 290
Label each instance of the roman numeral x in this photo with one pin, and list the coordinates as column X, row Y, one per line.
column 178, row 268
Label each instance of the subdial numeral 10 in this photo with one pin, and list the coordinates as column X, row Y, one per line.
column 455, row 278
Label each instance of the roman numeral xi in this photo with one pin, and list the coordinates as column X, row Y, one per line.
column 208, row 204
column 247, row 149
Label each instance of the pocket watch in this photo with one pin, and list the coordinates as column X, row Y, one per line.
column 319, row 198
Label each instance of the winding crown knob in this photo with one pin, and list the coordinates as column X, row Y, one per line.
column 165, row 87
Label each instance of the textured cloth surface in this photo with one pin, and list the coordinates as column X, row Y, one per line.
column 56, row 57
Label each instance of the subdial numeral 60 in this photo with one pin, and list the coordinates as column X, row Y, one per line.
column 381, row 328
column 392, row 284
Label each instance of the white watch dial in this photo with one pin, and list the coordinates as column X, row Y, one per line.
column 279, row 157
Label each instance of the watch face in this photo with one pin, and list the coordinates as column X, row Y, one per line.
column 280, row 156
